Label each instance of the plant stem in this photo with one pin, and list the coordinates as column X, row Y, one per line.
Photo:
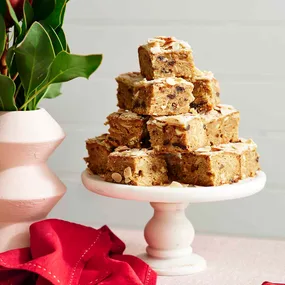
column 3, row 64
column 17, row 91
column 15, row 76
column 32, row 97
column 4, row 68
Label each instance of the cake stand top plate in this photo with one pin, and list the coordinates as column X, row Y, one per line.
column 243, row 188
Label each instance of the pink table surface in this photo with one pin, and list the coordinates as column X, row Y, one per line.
column 231, row 260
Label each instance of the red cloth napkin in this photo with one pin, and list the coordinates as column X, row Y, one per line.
column 269, row 283
column 70, row 254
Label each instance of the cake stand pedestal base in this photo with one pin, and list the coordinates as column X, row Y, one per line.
column 187, row 265
column 169, row 234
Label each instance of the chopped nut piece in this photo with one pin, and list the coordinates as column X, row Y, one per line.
column 127, row 172
column 175, row 184
column 117, row 177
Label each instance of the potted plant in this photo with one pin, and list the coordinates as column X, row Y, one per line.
column 35, row 60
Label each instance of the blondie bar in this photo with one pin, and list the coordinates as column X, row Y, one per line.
column 127, row 129
column 206, row 91
column 162, row 96
column 215, row 165
column 180, row 133
column 222, row 124
column 127, row 83
column 166, row 57
column 98, row 149
column 136, row 167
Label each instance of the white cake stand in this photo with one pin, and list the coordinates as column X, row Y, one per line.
column 169, row 233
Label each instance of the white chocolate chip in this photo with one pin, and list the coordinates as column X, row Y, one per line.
column 155, row 50
column 117, row 177
column 170, row 81
column 163, row 107
column 176, row 46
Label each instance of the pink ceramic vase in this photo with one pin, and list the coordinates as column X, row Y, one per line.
column 28, row 188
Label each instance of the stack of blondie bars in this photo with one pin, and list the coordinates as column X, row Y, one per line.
column 171, row 125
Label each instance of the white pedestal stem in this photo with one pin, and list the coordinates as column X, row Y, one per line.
column 169, row 235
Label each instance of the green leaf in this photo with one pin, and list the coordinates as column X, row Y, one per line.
column 62, row 15
column 13, row 16
column 55, row 19
column 53, row 91
column 57, row 45
column 28, row 15
column 11, row 62
column 61, row 35
column 8, row 88
column 33, row 57
column 3, row 35
column 10, row 56
column 43, row 8
column 3, row 8
column 66, row 67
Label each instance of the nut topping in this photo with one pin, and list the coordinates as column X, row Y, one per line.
column 117, row 177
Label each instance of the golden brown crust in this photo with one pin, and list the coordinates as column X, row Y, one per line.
column 127, row 129
column 180, row 133
column 166, row 57
column 206, row 91
column 98, row 149
column 222, row 124
column 215, row 165
column 136, row 167
column 162, row 96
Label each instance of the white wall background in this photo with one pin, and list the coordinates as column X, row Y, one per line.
column 242, row 42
